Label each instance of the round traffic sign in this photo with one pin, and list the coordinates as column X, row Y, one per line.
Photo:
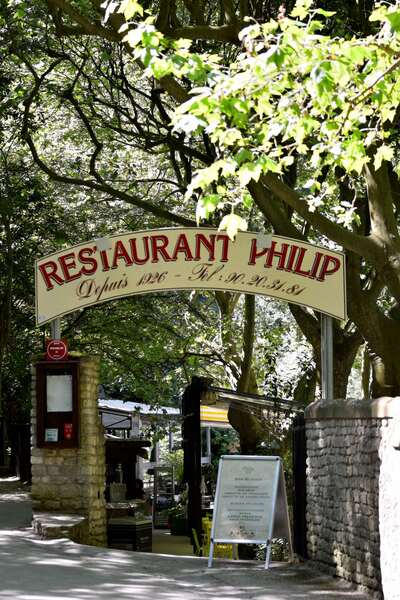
column 57, row 350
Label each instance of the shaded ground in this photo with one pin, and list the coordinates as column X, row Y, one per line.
column 31, row 569
column 165, row 543
column 15, row 507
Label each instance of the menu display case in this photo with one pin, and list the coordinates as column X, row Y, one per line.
column 57, row 393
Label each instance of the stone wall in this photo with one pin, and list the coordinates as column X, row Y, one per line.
column 353, row 522
column 389, row 508
column 72, row 480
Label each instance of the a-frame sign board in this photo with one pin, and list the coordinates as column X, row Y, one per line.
column 250, row 503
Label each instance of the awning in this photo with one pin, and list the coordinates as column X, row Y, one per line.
column 210, row 415
column 124, row 450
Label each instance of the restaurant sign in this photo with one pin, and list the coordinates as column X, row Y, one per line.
column 187, row 259
column 250, row 503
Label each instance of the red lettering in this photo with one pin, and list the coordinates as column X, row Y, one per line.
column 104, row 260
column 67, row 262
column 254, row 254
column 84, row 258
column 158, row 246
column 272, row 253
column 328, row 259
column 120, row 252
column 49, row 271
column 225, row 247
column 292, row 256
column 134, row 252
column 299, row 263
column 208, row 243
column 316, row 263
column 182, row 245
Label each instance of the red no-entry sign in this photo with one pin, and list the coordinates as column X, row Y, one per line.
column 56, row 350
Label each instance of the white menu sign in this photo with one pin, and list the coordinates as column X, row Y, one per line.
column 250, row 502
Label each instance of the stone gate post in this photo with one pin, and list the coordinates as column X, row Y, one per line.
column 72, row 480
column 353, row 492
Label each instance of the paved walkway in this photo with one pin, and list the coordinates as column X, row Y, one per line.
column 32, row 569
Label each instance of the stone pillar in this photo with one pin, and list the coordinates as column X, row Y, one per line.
column 72, row 480
column 389, row 506
column 353, row 492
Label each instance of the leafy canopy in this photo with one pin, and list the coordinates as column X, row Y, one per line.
column 293, row 91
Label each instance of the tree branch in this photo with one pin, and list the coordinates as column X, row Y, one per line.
column 369, row 247
column 383, row 223
column 224, row 33
column 273, row 210
column 87, row 26
column 95, row 28
column 248, row 343
column 98, row 186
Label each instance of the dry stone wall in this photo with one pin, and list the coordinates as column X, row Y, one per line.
column 353, row 493
column 342, row 499
column 71, row 480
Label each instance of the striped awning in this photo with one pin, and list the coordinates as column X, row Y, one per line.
column 211, row 414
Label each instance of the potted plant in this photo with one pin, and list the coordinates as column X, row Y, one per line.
column 177, row 520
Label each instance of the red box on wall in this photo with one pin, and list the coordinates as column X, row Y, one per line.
column 68, row 431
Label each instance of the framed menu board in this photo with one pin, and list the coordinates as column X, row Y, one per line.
column 250, row 503
column 57, row 410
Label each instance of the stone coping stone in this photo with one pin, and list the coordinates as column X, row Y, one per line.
column 353, row 408
column 58, row 525
column 58, row 519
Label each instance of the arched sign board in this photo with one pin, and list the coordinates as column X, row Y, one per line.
column 250, row 503
column 187, row 259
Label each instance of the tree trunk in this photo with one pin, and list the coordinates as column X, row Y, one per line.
column 381, row 333
column 345, row 346
column 240, row 416
column 5, row 316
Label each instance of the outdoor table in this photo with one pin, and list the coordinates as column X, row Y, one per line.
column 132, row 531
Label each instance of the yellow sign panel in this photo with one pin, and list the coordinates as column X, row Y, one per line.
column 186, row 259
column 210, row 414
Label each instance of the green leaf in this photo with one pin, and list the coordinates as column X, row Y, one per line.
column 325, row 13
column 206, row 206
column 229, row 168
column 231, row 136
column 205, row 176
column 276, row 56
column 247, row 200
column 243, row 155
column 249, row 171
column 301, row 9
column 160, row 67
column 188, row 124
column 130, row 8
column 268, row 165
column 394, row 20
column 232, row 224
column 356, row 54
column 378, row 14
column 383, row 153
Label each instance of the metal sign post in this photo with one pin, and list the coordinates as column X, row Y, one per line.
column 326, row 357
column 56, row 329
